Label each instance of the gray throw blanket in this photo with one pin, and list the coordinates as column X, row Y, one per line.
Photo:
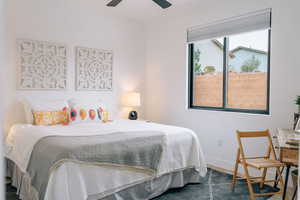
column 141, row 151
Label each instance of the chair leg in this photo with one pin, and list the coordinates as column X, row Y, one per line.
column 276, row 177
column 295, row 193
column 261, row 185
column 250, row 188
column 288, row 167
column 280, row 179
column 235, row 170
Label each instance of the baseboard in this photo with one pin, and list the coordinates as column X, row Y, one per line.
column 220, row 164
column 227, row 167
column 226, row 171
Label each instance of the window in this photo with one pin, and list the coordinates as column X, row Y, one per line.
column 208, row 73
column 232, row 72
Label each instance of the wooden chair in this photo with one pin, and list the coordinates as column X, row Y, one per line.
column 264, row 163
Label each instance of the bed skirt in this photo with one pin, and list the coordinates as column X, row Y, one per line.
column 140, row 191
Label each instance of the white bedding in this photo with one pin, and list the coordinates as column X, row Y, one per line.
column 73, row 181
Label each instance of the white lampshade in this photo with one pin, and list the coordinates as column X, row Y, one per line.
column 131, row 99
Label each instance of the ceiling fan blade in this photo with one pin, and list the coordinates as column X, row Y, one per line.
column 113, row 3
column 163, row 3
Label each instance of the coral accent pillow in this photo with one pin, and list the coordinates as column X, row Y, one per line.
column 86, row 110
column 86, row 114
column 47, row 118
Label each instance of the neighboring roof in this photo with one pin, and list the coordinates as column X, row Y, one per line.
column 231, row 54
column 220, row 45
column 248, row 49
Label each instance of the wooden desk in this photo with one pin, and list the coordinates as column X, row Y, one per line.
column 288, row 153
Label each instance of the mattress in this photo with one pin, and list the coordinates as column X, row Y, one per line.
column 72, row 181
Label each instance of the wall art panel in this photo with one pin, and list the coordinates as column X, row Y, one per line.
column 42, row 65
column 94, row 69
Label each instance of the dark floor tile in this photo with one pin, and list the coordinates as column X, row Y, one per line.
column 10, row 188
column 11, row 196
column 220, row 178
column 11, row 193
column 228, row 197
column 205, row 179
column 189, row 192
column 223, row 191
column 265, row 189
column 199, row 187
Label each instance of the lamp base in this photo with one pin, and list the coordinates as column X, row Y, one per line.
column 133, row 115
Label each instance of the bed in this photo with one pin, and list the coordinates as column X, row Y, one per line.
column 181, row 162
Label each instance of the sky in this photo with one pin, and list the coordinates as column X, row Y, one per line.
column 256, row 40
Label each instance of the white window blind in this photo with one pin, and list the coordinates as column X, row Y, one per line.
column 245, row 23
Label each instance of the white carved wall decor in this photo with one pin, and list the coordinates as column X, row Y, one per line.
column 94, row 69
column 42, row 65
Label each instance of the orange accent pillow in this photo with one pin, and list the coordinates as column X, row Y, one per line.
column 51, row 117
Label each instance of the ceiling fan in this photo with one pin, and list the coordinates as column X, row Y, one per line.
column 162, row 3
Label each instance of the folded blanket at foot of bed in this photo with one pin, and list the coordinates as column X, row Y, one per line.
column 140, row 151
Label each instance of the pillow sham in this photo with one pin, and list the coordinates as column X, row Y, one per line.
column 33, row 105
column 82, row 111
column 47, row 118
column 28, row 112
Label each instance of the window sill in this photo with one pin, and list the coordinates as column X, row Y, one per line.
column 262, row 112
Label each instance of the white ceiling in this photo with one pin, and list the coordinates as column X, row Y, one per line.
column 146, row 10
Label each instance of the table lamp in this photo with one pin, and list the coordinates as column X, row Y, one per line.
column 132, row 99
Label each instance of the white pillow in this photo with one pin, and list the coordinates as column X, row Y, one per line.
column 82, row 111
column 28, row 111
column 31, row 105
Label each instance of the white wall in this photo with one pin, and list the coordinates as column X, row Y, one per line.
column 166, row 87
column 76, row 23
column 2, row 64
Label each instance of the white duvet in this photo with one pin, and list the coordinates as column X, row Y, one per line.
column 73, row 181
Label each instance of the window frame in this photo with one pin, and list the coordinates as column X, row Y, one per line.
column 225, row 81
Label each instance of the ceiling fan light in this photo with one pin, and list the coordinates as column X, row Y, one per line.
column 113, row 3
column 163, row 3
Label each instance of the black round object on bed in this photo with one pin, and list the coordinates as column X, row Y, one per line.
column 133, row 115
